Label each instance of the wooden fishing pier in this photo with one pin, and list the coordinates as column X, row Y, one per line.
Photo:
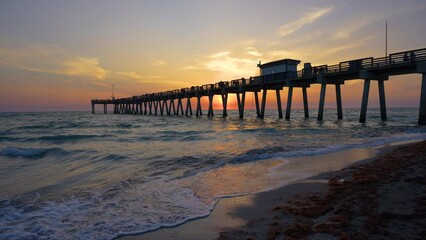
column 277, row 75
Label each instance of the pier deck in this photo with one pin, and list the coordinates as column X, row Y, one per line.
column 366, row 69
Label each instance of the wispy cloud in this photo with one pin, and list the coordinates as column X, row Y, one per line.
column 220, row 54
column 135, row 76
column 159, row 63
column 253, row 51
column 337, row 49
column 230, row 66
column 54, row 60
column 86, row 67
column 367, row 18
column 306, row 19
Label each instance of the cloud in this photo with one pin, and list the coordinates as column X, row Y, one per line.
column 51, row 59
column 337, row 49
column 230, row 66
column 159, row 63
column 86, row 67
column 135, row 76
column 365, row 19
column 54, row 60
column 220, row 54
column 253, row 51
column 306, row 19
column 346, row 32
column 189, row 67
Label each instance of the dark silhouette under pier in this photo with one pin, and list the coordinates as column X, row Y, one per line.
column 366, row 69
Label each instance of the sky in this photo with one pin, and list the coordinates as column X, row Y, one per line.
column 59, row 54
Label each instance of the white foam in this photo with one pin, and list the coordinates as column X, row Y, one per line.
column 122, row 209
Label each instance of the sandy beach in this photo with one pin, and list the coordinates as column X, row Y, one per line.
column 380, row 194
column 379, row 199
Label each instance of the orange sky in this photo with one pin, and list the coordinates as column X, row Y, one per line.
column 57, row 55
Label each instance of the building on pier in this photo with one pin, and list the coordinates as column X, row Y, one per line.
column 283, row 65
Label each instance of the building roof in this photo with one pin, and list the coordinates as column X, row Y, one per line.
column 279, row 62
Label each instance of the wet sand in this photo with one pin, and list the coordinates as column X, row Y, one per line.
column 380, row 194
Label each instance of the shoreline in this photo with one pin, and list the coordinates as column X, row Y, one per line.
column 225, row 217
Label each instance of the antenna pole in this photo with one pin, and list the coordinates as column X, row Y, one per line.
column 386, row 40
column 112, row 85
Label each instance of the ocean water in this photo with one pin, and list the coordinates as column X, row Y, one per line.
column 74, row 175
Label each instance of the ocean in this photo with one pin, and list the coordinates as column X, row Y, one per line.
column 74, row 175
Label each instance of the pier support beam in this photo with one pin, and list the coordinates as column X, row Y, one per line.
column 172, row 104
column 305, row 102
column 155, row 107
column 188, row 107
column 422, row 109
column 179, row 102
column 322, row 101
column 289, row 99
column 339, row 102
column 280, row 110
column 382, row 100
column 167, row 108
column 262, row 111
column 364, row 103
column 241, row 102
column 180, row 106
column 150, row 107
column 93, row 108
column 161, row 103
column 198, row 112
column 210, row 111
column 141, row 108
column 145, row 103
column 256, row 101
column 225, row 104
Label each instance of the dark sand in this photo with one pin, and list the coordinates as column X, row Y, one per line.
column 377, row 198
column 381, row 199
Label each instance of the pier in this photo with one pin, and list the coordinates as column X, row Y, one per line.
column 368, row 69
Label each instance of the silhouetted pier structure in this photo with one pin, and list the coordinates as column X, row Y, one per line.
column 277, row 75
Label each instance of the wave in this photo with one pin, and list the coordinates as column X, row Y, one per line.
column 102, row 214
column 281, row 152
column 30, row 152
column 176, row 136
column 71, row 137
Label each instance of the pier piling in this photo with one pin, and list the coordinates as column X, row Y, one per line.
column 198, row 112
column 322, row 101
column 339, row 102
column 241, row 102
column 280, row 110
column 305, row 102
column 188, row 108
column 364, row 103
column 289, row 99
column 210, row 111
column 224, row 104
column 262, row 111
column 422, row 109
column 256, row 102
column 382, row 100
